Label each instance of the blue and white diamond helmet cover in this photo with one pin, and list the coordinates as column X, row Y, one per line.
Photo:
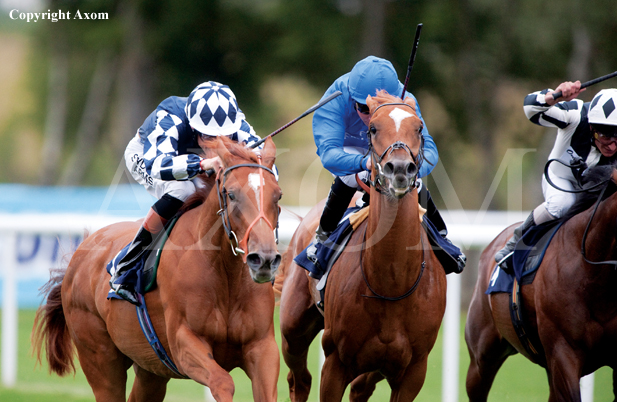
column 370, row 75
column 603, row 108
column 212, row 109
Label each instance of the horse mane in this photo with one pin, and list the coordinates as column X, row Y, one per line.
column 211, row 147
column 383, row 96
column 586, row 199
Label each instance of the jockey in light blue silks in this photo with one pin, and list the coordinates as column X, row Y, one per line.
column 163, row 157
column 585, row 131
column 340, row 132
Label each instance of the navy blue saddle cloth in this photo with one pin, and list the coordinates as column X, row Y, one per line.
column 327, row 249
column 528, row 254
column 341, row 234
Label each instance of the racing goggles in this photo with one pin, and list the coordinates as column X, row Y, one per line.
column 362, row 108
column 604, row 134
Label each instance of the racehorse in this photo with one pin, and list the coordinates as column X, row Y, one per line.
column 570, row 308
column 385, row 296
column 212, row 309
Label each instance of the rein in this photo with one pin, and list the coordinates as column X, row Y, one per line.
column 378, row 158
column 595, row 208
column 574, row 165
column 241, row 246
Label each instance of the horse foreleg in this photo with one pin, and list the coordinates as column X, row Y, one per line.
column 196, row 360
column 564, row 368
column 300, row 324
column 262, row 366
column 148, row 387
column 487, row 349
column 363, row 386
column 334, row 379
column 411, row 383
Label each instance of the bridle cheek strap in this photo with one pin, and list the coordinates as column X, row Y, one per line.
column 241, row 246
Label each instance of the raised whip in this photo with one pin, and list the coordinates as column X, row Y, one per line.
column 412, row 58
column 557, row 94
column 308, row 111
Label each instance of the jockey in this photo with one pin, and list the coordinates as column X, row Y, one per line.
column 585, row 132
column 163, row 157
column 340, row 132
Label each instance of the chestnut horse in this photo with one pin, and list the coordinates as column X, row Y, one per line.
column 386, row 294
column 570, row 307
column 211, row 310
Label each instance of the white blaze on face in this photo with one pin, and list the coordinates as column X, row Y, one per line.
column 398, row 115
column 254, row 183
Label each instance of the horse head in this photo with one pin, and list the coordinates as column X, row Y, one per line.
column 248, row 196
column 395, row 143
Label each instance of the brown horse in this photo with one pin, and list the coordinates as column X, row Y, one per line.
column 385, row 296
column 207, row 309
column 570, row 307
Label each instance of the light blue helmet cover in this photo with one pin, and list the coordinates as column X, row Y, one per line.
column 370, row 75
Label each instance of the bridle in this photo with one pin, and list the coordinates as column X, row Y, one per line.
column 378, row 185
column 376, row 159
column 241, row 246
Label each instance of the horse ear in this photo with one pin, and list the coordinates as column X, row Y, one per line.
column 223, row 152
column 371, row 103
column 411, row 102
column 268, row 153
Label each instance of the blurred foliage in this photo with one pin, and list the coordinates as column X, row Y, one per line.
column 477, row 59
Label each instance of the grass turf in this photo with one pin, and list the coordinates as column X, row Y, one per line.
column 518, row 380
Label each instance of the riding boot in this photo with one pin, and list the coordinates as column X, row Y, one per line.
column 433, row 215
column 338, row 200
column 154, row 223
column 502, row 257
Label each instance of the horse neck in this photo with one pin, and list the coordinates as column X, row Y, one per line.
column 393, row 250
column 212, row 241
column 601, row 241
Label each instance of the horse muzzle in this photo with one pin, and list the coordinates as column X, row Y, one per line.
column 400, row 175
column 263, row 265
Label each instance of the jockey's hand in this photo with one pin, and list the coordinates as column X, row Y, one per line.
column 369, row 164
column 211, row 165
column 569, row 90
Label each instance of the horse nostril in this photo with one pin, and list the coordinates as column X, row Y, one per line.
column 388, row 168
column 254, row 260
column 276, row 262
column 411, row 169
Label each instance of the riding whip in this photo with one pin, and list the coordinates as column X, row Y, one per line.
column 412, row 58
column 557, row 94
column 308, row 111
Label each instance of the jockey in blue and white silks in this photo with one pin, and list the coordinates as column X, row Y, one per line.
column 164, row 157
column 585, row 131
column 340, row 133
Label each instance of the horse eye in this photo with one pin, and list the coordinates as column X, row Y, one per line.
column 373, row 130
column 231, row 196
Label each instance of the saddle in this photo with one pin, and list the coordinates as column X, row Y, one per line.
column 146, row 281
column 526, row 259
column 147, row 267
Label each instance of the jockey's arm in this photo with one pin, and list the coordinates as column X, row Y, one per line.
column 538, row 109
column 329, row 136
